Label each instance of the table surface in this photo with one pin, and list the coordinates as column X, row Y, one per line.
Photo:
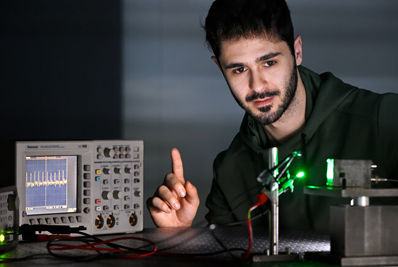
column 177, row 247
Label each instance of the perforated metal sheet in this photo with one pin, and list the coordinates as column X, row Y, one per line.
column 202, row 240
column 188, row 241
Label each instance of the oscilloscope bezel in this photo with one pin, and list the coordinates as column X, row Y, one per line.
column 83, row 153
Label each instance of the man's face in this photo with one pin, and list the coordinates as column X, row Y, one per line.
column 262, row 76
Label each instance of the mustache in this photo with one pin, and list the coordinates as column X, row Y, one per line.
column 261, row 95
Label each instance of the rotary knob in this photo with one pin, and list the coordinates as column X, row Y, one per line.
column 107, row 195
column 109, row 153
column 117, row 194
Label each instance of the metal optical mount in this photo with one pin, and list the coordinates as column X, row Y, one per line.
column 273, row 186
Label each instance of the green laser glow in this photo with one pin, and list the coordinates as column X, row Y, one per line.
column 287, row 174
column 330, row 172
column 300, row 174
column 2, row 238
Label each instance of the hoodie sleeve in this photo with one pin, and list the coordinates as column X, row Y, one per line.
column 219, row 209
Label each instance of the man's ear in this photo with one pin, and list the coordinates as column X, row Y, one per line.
column 217, row 62
column 298, row 50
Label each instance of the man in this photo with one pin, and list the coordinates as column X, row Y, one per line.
column 287, row 106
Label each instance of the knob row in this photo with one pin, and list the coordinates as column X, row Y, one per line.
column 108, row 195
column 118, row 170
column 116, row 152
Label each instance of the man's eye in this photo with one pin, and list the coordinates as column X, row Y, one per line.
column 269, row 63
column 239, row 70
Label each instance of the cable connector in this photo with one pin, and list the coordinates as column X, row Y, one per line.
column 261, row 198
column 29, row 231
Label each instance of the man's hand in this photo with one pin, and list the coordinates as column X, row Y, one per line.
column 176, row 202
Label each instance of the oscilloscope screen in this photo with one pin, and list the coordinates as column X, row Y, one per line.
column 51, row 184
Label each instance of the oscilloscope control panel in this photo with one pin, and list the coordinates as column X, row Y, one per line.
column 8, row 217
column 97, row 184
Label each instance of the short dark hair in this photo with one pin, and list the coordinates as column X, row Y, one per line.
column 234, row 19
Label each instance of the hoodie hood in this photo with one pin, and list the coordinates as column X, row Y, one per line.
column 324, row 93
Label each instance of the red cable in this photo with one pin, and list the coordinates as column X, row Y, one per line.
column 91, row 246
column 261, row 199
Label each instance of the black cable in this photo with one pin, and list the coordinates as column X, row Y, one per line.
column 74, row 257
column 93, row 241
column 228, row 250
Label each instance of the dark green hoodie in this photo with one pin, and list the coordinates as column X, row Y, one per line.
column 342, row 122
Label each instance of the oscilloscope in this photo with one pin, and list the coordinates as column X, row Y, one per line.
column 96, row 184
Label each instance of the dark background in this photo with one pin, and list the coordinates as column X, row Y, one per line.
column 60, row 69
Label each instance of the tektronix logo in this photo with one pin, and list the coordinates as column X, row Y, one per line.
column 32, row 147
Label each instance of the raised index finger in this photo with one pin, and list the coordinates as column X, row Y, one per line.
column 177, row 164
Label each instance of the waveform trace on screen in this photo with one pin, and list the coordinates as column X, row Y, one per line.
column 46, row 182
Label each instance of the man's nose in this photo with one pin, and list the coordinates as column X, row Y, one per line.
column 258, row 82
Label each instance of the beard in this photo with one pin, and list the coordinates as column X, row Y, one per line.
column 266, row 116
